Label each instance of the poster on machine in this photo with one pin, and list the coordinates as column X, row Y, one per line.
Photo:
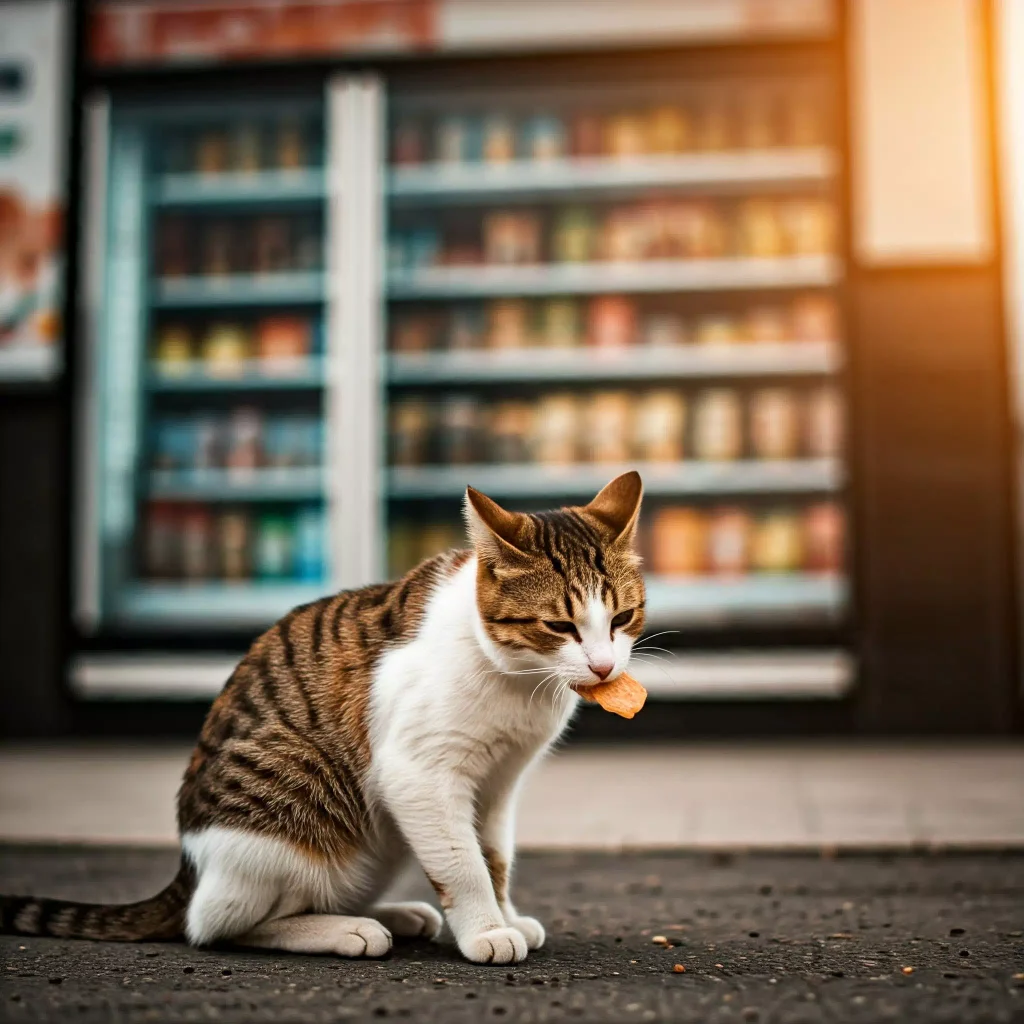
column 32, row 187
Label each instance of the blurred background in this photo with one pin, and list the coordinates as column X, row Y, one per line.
column 278, row 280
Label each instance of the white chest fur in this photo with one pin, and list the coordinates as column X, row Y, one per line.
column 440, row 702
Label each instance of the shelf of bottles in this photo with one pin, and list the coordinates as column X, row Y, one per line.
column 588, row 281
column 229, row 481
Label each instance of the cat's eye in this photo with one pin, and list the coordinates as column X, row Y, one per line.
column 622, row 619
column 561, row 626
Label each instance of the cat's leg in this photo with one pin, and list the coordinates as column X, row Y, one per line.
column 435, row 811
column 238, row 884
column 320, row 933
column 257, row 890
column 409, row 920
column 226, row 904
column 497, row 841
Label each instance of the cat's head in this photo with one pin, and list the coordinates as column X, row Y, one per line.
column 561, row 591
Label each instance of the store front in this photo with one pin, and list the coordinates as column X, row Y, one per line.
column 340, row 264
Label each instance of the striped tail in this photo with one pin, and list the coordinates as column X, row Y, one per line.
column 161, row 918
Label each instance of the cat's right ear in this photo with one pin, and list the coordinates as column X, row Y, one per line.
column 495, row 532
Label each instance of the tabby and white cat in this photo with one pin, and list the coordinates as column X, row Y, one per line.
column 385, row 721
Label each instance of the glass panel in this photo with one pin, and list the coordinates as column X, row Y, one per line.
column 592, row 279
column 213, row 365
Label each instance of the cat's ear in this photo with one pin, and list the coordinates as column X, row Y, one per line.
column 617, row 506
column 495, row 532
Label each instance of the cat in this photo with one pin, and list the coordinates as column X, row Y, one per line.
column 390, row 721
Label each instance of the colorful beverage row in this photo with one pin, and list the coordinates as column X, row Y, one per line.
column 764, row 116
column 188, row 247
column 664, row 229
column 226, row 348
column 734, row 541
column 242, row 441
column 661, row 425
column 678, row 540
column 196, row 543
column 609, row 321
column 245, row 147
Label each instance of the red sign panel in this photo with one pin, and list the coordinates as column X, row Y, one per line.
column 159, row 33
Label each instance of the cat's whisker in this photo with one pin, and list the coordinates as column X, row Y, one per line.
column 664, row 632
column 646, row 654
column 563, row 689
column 540, row 684
column 554, row 683
column 650, row 650
column 544, row 682
column 644, row 647
column 662, row 668
column 654, row 664
column 650, row 659
column 560, row 683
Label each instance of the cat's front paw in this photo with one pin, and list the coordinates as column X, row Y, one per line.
column 532, row 929
column 495, row 946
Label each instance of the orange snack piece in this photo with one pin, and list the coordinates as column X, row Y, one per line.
column 622, row 695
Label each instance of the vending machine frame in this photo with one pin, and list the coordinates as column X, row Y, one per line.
column 190, row 652
column 792, row 662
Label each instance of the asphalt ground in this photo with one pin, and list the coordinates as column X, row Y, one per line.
column 765, row 938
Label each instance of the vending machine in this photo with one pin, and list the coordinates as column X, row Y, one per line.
column 319, row 316
column 619, row 266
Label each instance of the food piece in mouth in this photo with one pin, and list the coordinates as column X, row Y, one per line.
column 622, row 695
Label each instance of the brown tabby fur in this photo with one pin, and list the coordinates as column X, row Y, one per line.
column 284, row 749
column 282, row 752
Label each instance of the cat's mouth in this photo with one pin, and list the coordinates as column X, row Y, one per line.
column 584, row 688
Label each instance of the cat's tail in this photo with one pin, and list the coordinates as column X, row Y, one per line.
column 161, row 918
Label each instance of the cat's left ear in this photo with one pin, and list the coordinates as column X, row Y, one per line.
column 617, row 506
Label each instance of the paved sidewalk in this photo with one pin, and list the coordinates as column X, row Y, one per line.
column 796, row 939
column 698, row 796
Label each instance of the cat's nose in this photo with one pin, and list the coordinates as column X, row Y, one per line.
column 601, row 669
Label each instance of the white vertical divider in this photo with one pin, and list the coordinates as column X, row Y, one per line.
column 372, row 247
column 355, row 110
column 336, row 308
column 87, row 579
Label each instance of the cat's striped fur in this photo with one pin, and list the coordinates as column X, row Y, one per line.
column 307, row 787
